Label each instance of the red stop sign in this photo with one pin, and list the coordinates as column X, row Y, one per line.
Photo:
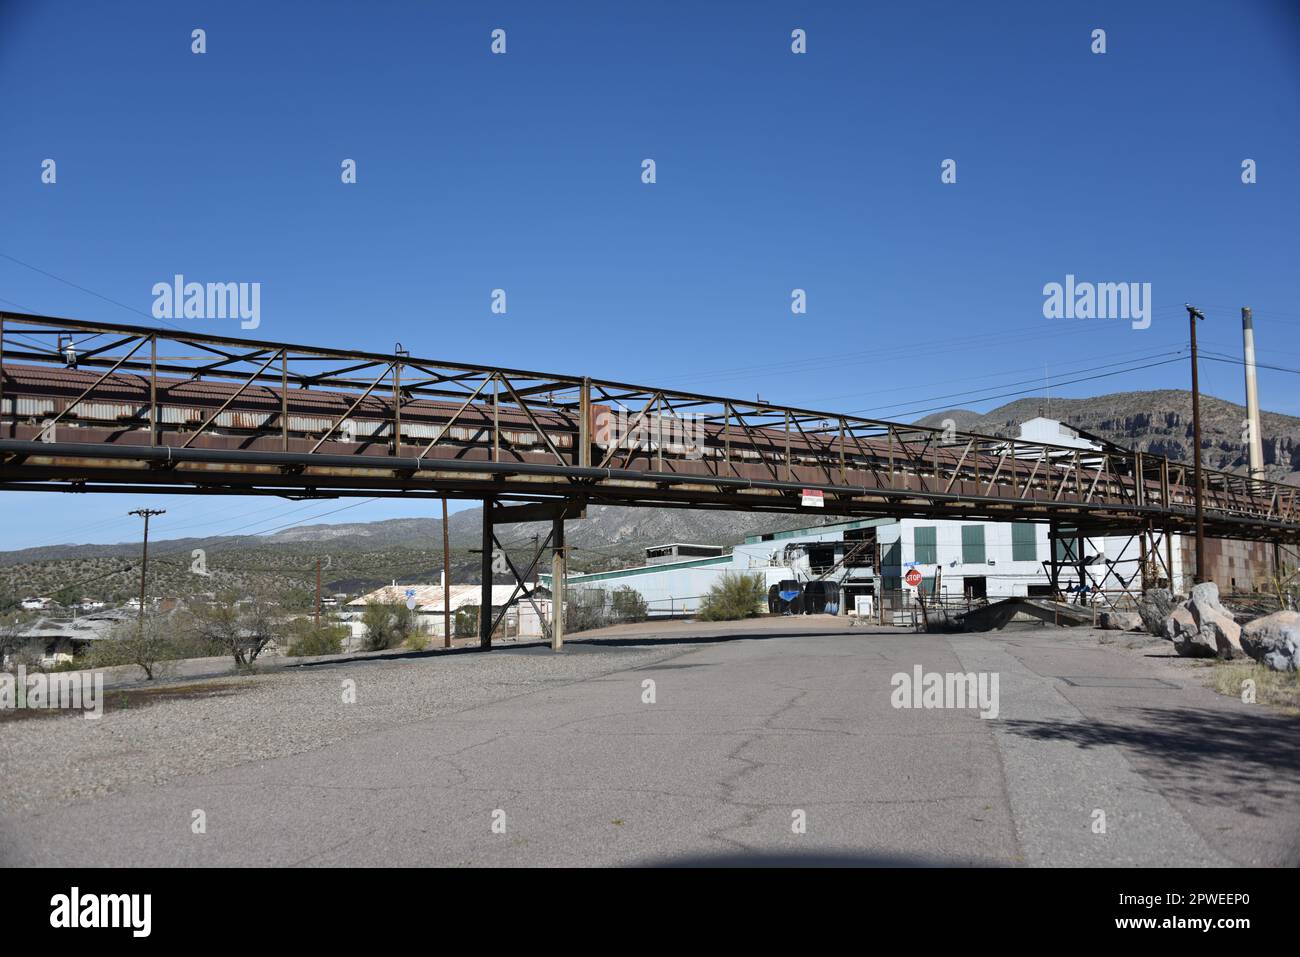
column 913, row 577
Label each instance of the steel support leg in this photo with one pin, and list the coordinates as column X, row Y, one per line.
column 485, row 573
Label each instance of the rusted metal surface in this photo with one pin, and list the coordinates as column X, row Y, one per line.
column 319, row 421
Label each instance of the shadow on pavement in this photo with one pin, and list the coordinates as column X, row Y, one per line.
column 1250, row 761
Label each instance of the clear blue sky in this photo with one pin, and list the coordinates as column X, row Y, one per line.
column 775, row 171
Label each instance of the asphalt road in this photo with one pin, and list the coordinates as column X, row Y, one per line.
column 745, row 737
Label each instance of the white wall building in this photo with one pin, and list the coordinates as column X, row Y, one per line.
column 976, row 559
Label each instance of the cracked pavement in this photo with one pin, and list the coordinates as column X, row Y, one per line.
column 751, row 724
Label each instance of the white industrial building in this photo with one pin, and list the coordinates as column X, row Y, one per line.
column 832, row 567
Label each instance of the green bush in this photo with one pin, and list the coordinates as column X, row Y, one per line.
column 733, row 598
column 305, row 639
column 629, row 604
column 387, row 625
column 466, row 625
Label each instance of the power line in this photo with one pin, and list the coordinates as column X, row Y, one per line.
column 89, row 292
column 950, row 395
column 1020, row 392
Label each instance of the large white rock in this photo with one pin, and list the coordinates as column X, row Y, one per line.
column 1207, row 592
column 1274, row 640
column 1202, row 628
column 1217, row 625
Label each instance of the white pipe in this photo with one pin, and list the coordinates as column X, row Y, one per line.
column 1255, row 445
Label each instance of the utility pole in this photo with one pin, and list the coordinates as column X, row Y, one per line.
column 1192, row 315
column 145, row 513
column 446, row 578
column 318, row 594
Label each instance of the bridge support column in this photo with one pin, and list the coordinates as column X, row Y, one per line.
column 1081, row 557
column 485, row 572
column 1144, row 542
column 1054, row 568
column 559, row 569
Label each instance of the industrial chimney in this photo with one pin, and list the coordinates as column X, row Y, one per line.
column 1255, row 443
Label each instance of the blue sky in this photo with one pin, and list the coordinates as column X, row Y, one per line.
column 775, row 171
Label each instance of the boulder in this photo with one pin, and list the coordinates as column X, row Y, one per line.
column 1206, row 592
column 1216, row 625
column 1202, row 628
column 1119, row 621
column 1182, row 629
column 1155, row 606
column 1274, row 640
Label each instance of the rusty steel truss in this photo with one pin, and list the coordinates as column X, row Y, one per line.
column 99, row 407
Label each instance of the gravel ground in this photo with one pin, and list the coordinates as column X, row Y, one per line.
column 67, row 759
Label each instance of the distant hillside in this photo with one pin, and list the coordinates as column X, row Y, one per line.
column 1158, row 421
column 357, row 557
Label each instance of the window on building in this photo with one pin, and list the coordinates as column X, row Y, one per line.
column 972, row 544
column 1024, row 542
column 1067, row 546
column 923, row 543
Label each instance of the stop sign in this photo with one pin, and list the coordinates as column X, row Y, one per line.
column 913, row 577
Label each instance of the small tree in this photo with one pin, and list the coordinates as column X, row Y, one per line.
column 146, row 644
column 387, row 624
column 630, row 604
column 240, row 628
column 734, row 597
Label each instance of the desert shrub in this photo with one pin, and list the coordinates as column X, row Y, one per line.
column 240, row 627
column 387, row 624
column 466, row 625
column 734, row 597
column 146, row 643
column 629, row 604
column 582, row 617
column 306, row 639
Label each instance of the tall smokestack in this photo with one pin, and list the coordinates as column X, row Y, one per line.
column 1255, row 447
